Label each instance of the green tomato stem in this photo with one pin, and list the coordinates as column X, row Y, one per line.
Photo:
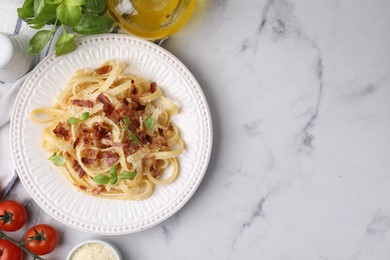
column 20, row 245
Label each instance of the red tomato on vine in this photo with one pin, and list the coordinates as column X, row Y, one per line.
column 13, row 215
column 10, row 251
column 41, row 239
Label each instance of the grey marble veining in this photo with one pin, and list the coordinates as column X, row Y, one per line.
column 299, row 97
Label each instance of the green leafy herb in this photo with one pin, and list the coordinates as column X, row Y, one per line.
column 113, row 180
column 52, row 156
column 57, row 160
column 39, row 41
column 73, row 121
column 91, row 24
column 149, row 122
column 45, row 15
column 65, row 44
column 95, row 6
column 101, row 179
column 113, row 171
column 37, row 26
column 74, row 2
column 27, row 10
column 127, row 175
column 84, row 116
column 84, row 16
column 126, row 120
column 38, row 6
column 54, row 2
column 69, row 15
column 134, row 137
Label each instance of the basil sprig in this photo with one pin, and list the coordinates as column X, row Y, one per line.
column 57, row 160
column 149, row 122
column 113, row 178
column 101, row 179
column 75, row 121
column 83, row 16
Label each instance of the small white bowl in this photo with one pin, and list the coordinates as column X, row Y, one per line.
column 111, row 246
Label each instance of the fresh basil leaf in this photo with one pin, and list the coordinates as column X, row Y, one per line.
column 84, row 116
column 65, row 44
column 134, row 137
column 95, row 6
column 37, row 26
column 69, row 15
column 52, row 156
column 27, row 10
column 38, row 6
column 101, row 179
column 113, row 171
column 74, row 2
column 57, row 160
column 39, row 41
column 127, row 175
column 91, row 24
column 53, row 2
column 113, row 180
column 72, row 120
column 47, row 14
column 126, row 120
column 149, row 122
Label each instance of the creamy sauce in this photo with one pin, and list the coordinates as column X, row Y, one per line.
column 93, row 251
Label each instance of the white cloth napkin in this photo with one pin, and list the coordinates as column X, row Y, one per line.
column 11, row 24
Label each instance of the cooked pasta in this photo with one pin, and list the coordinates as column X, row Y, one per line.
column 111, row 135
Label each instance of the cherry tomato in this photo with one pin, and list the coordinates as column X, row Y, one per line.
column 9, row 251
column 41, row 239
column 13, row 215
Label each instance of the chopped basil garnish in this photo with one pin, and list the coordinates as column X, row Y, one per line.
column 149, row 122
column 134, row 137
column 52, row 156
column 127, row 175
column 84, row 116
column 113, row 171
column 73, row 120
column 113, row 180
column 57, row 160
column 101, row 179
column 127, row 123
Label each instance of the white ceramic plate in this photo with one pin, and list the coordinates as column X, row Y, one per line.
column 50, row 189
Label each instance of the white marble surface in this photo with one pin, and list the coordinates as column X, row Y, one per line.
column 300, row 100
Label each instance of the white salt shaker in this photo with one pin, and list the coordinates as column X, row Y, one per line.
column 14, row 59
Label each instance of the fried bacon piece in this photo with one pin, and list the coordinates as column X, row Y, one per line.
column 82, row 103
column 101, row 135
column 99, row 158
column 128, row 145
column 136, row 100
column 62, row 130
column 151, row 165
column 103, row 70
column 75, row 165
column 77, row 168
column 98, row 190
column 158, row 142
column 110, row 158
column 153, row 87
column 108, row 108
column 124, row 110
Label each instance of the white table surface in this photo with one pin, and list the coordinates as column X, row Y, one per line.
column 299, row 93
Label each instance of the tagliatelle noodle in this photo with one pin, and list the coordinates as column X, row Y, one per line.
column 114, row 132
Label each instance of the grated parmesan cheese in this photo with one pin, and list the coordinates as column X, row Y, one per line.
column 93, row 251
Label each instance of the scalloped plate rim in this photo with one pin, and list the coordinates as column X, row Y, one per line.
column 206, row 126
